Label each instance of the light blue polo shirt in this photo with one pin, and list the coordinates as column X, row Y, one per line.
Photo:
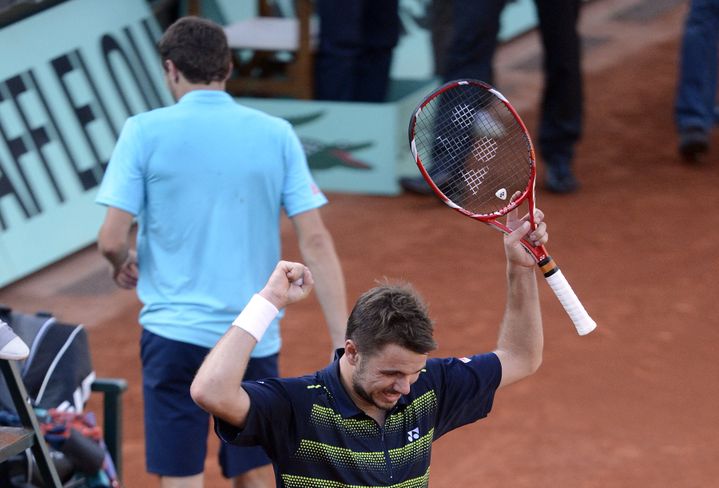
column 207, row 179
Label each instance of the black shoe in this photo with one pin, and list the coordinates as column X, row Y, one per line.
column 415, row 184
column 559, row 179
column 693, row 143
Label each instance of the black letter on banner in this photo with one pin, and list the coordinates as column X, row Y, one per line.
column 7, row 188
column 153, row 39
column 53, row 122
column 110, row 45
column 96, row 94
column 151, row 88
column 99, row 101
column 17, row 148
column 62, row 65
column 16, row 86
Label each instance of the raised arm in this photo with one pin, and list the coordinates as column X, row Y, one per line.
column 217, row 387
column 521, row 340
column 318, row 252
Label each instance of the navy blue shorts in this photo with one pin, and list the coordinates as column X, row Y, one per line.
column 176, row 429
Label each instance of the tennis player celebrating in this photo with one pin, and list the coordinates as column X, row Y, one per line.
column 369, row 418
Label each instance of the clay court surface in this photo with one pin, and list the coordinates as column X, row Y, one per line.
column 634, row 404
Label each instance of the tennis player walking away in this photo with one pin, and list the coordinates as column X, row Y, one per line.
column 369, row 418
column 207, row 180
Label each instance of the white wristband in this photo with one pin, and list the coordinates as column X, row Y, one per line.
column 256, row 316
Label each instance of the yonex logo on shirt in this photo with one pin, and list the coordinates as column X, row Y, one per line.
column 413, row 434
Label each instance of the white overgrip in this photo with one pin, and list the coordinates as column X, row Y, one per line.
column 574, row 308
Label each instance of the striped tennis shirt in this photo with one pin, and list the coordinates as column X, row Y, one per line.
column 318, row 438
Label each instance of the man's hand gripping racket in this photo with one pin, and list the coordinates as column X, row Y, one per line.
column 475, row 153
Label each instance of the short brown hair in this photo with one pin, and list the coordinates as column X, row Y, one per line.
column 391, row 314
column 198, row 47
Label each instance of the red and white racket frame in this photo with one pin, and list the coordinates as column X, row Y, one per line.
column 556, row 280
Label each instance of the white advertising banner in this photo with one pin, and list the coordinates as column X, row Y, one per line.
column 69, row 77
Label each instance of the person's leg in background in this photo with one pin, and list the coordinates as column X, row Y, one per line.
column 249, row 467
column 261, row 477
column 697, row 87
column 439, row 13
column 380, row 32
column 475, row 31
column 176, row 429
column 560, row 125
column 473, row 40
column 340, row 49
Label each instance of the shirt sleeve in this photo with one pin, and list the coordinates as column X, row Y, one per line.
column 300, row 193
column 123, row 184
column 268, row 420
column 466, row 389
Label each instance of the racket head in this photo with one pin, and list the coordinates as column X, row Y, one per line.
column 473, row 149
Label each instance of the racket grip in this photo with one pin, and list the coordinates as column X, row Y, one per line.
column 574, row 308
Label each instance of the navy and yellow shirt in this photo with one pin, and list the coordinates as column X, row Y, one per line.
column 317, row 437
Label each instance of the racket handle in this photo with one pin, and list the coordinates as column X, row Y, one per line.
column 574, row 308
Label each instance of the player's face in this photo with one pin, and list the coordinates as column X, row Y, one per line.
column 381, row 379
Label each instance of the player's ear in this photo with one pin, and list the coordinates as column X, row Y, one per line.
column 172, row 72
column 351, row 352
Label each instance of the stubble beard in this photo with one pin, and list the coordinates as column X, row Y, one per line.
column 360, row 390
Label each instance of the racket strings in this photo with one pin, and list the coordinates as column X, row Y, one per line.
column 481, row 116
column 474, row 149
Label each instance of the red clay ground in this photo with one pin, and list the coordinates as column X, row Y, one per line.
column 634, row 404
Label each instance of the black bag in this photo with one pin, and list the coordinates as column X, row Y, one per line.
column 57, row 375
column 58, row 372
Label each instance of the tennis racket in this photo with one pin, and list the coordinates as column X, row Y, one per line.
column 475, row 153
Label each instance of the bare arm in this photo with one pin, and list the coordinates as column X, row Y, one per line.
column 318, row 253
column 114, row 244
column 217, row 386
column 521, row 341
